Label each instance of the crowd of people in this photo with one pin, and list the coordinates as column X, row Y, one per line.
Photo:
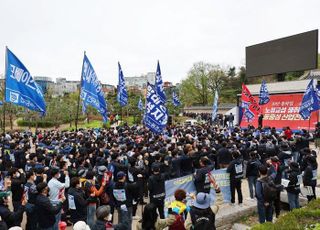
column 84, row 177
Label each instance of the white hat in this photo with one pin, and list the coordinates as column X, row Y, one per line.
column 81, row 225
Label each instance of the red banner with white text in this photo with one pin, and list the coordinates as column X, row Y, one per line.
column 281, row 111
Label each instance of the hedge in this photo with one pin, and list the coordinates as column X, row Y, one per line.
column 307, row 218
column 40, row 124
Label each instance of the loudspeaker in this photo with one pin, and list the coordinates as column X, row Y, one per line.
column 170, row 120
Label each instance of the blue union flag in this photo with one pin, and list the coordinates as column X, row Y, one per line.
column 175, row 99
column 21, row 89
column 264, row 97
column 91, row 90
column 122, row 96
column 159, row 85
column 310, row 102
column 156, row 114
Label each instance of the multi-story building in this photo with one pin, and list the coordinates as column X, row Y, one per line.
column 141, row 81
column 45, row 83
column 63, row 86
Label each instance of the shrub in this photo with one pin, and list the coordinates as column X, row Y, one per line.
column 304, row 218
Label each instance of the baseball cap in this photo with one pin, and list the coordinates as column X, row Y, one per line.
column 120, row 174
column 202, row 201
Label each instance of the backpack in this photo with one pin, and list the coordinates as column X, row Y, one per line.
column 202, row 221
column 270, row 148
column 269, row 190
column 178, row 224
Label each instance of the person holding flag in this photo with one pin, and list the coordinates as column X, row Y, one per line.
column 122, row 96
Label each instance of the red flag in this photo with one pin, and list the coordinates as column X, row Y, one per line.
column 248, row 101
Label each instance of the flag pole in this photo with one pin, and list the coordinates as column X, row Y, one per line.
column 78, row 106
column 4, row 90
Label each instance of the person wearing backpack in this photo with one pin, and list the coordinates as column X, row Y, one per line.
column 252, row 172
column 293, row 188
column 265, row 208
column 235, row 169
column 201, row 216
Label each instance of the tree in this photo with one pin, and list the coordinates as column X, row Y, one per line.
column 242, row 75
column 202, row 80
column 216, row 78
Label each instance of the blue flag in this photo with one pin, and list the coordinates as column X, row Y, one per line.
column 156, row 115
column 91, row 90
column 215, row 106
column 140, row 104
column 264, row 97
column 21, row 89
column 175, row 99
column 122, row 96
column 159, row 85
column 309, row 102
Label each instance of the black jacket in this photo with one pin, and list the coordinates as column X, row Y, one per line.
column 46, row 211
column 294, row 186
column 253, row 168
column 80, row 213
column 201, row 181
column 235, row 169
column 126, row 191
column 11, row 218
column 156, row 186
column 224, row 156
column 17, row 187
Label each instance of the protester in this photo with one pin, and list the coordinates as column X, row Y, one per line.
column 201, row 182
column 136, row 154
column 179, row 209
column 235, row 169
column 11, row 218
column 92, row 193
column 77, row 201
column 293, row 188
column 252, row 173
column 57, row 190
column 31, row 196
column 150, row 219
column 265, row 208
column 157, row 190
column 104, row 218
column 123, row 194
column 45, row 210
column 201, row 216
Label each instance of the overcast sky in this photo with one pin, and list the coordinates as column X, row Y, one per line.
column 49, row 36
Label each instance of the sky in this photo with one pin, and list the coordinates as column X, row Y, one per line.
column 50, row 36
